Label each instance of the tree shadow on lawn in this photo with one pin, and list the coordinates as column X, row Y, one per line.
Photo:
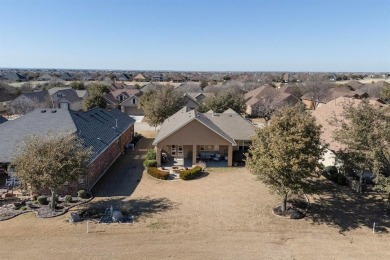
column 343, row 208
column 145, row 206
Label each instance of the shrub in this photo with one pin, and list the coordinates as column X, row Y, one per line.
column 159, row 174
column 82, row 194
column 42, row 200
column 150, row 154
column 68, row 198
column 23, row 208
column 150, row 163
column 191, row 174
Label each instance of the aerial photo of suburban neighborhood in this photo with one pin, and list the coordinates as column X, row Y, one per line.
column 209, row 129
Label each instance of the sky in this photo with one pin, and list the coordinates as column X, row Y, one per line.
column 197, row 35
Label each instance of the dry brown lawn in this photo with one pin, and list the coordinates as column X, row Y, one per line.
column 224, row 215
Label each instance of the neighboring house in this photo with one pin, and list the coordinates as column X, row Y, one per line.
column 150, row 87
column 287, row 77
column 157, row 77
column 126, row 100
column 192, row 136
column 333, row 93
column 120, row 85
column 324, row 114
column 139, row 78
column 5, row 100
column 66, row 76
column 27, row 102
column 176, row 78
column 14, row 76
column 268, row 96
column 123, row 77
column 46, row 77
column 106, row 132
column 68, row 98
column 194, row 100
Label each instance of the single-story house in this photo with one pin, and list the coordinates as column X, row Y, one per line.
column 139, row 78
column 27, row 102
column 68, row 98
column 191, row 135
column 107, row 132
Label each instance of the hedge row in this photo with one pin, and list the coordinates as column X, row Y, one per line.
column 191, row 174
column 156, row 173
column 150, row 163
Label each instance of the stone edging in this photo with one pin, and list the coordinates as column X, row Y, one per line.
column 18, row 214
column 66, row 210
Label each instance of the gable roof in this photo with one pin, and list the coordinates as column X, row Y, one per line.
column 5, row 96
column 39, row 96
column 139, row 76
column 184, row 117
column 107, row 125
column 14, row 76
column 69, row 94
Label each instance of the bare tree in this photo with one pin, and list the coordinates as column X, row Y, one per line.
column 317, row 90
column 22, row 106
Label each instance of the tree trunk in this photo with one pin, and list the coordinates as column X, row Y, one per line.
column 53, row 200
column 360, row 189
column 284, row 203
column 388, row 204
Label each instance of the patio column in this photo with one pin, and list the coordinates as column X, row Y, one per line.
column 158, row 156
column 194, row 153
column 230, row 155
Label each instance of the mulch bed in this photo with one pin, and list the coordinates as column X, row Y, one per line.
column 297, row 208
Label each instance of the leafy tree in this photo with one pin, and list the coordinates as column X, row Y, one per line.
column 77, row 85
column 223, row 100
column 95, row 96
column 385, row 93
column 364, row 130
column 49, row 161
column 203, row 84
column 359, row 129
column 287, row 152
column 161, row 103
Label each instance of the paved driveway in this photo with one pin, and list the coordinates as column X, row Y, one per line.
column 125, row 174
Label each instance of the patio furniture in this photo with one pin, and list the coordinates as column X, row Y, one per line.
column 217, row 157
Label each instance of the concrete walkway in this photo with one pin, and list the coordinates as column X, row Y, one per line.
column 123, row 176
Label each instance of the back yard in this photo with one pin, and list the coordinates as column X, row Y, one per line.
column 224, row 215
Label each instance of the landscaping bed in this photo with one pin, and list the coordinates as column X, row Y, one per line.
column 16, row 206
column 297, row 208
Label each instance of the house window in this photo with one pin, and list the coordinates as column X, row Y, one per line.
column 173, row 150
column 81, row 180
column 179, row 150
column 207, row 147
column 133, row 101
column 59, row 95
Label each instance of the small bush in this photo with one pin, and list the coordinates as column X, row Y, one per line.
column 156, row 173
column 150, row 163
column 191, row 174
column 82, row 194
column 42, row 200
column 68, row 198
column 202, row 165
column 150, row 155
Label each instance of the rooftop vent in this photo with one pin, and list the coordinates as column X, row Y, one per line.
column 43, row 111
column 215, row 115
column 54, row 111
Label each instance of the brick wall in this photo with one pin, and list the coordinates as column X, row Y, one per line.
column 100, row 164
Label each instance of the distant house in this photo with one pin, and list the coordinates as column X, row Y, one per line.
column 268, row 96
column 287, row 77
column 158, row 77
column 151, row 86
column 46, row 77
column 139, row 78
column 66, row 76
column 190, row 136
column 176, row 78
column 126, row 100
column 68, row 98
column 120, row 85
column 123, row 77
column 106, row 132
column 194, row 100
column 14, row 76
column 27, row 102
column 5, row 100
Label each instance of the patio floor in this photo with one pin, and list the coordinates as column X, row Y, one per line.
column 188, row 163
